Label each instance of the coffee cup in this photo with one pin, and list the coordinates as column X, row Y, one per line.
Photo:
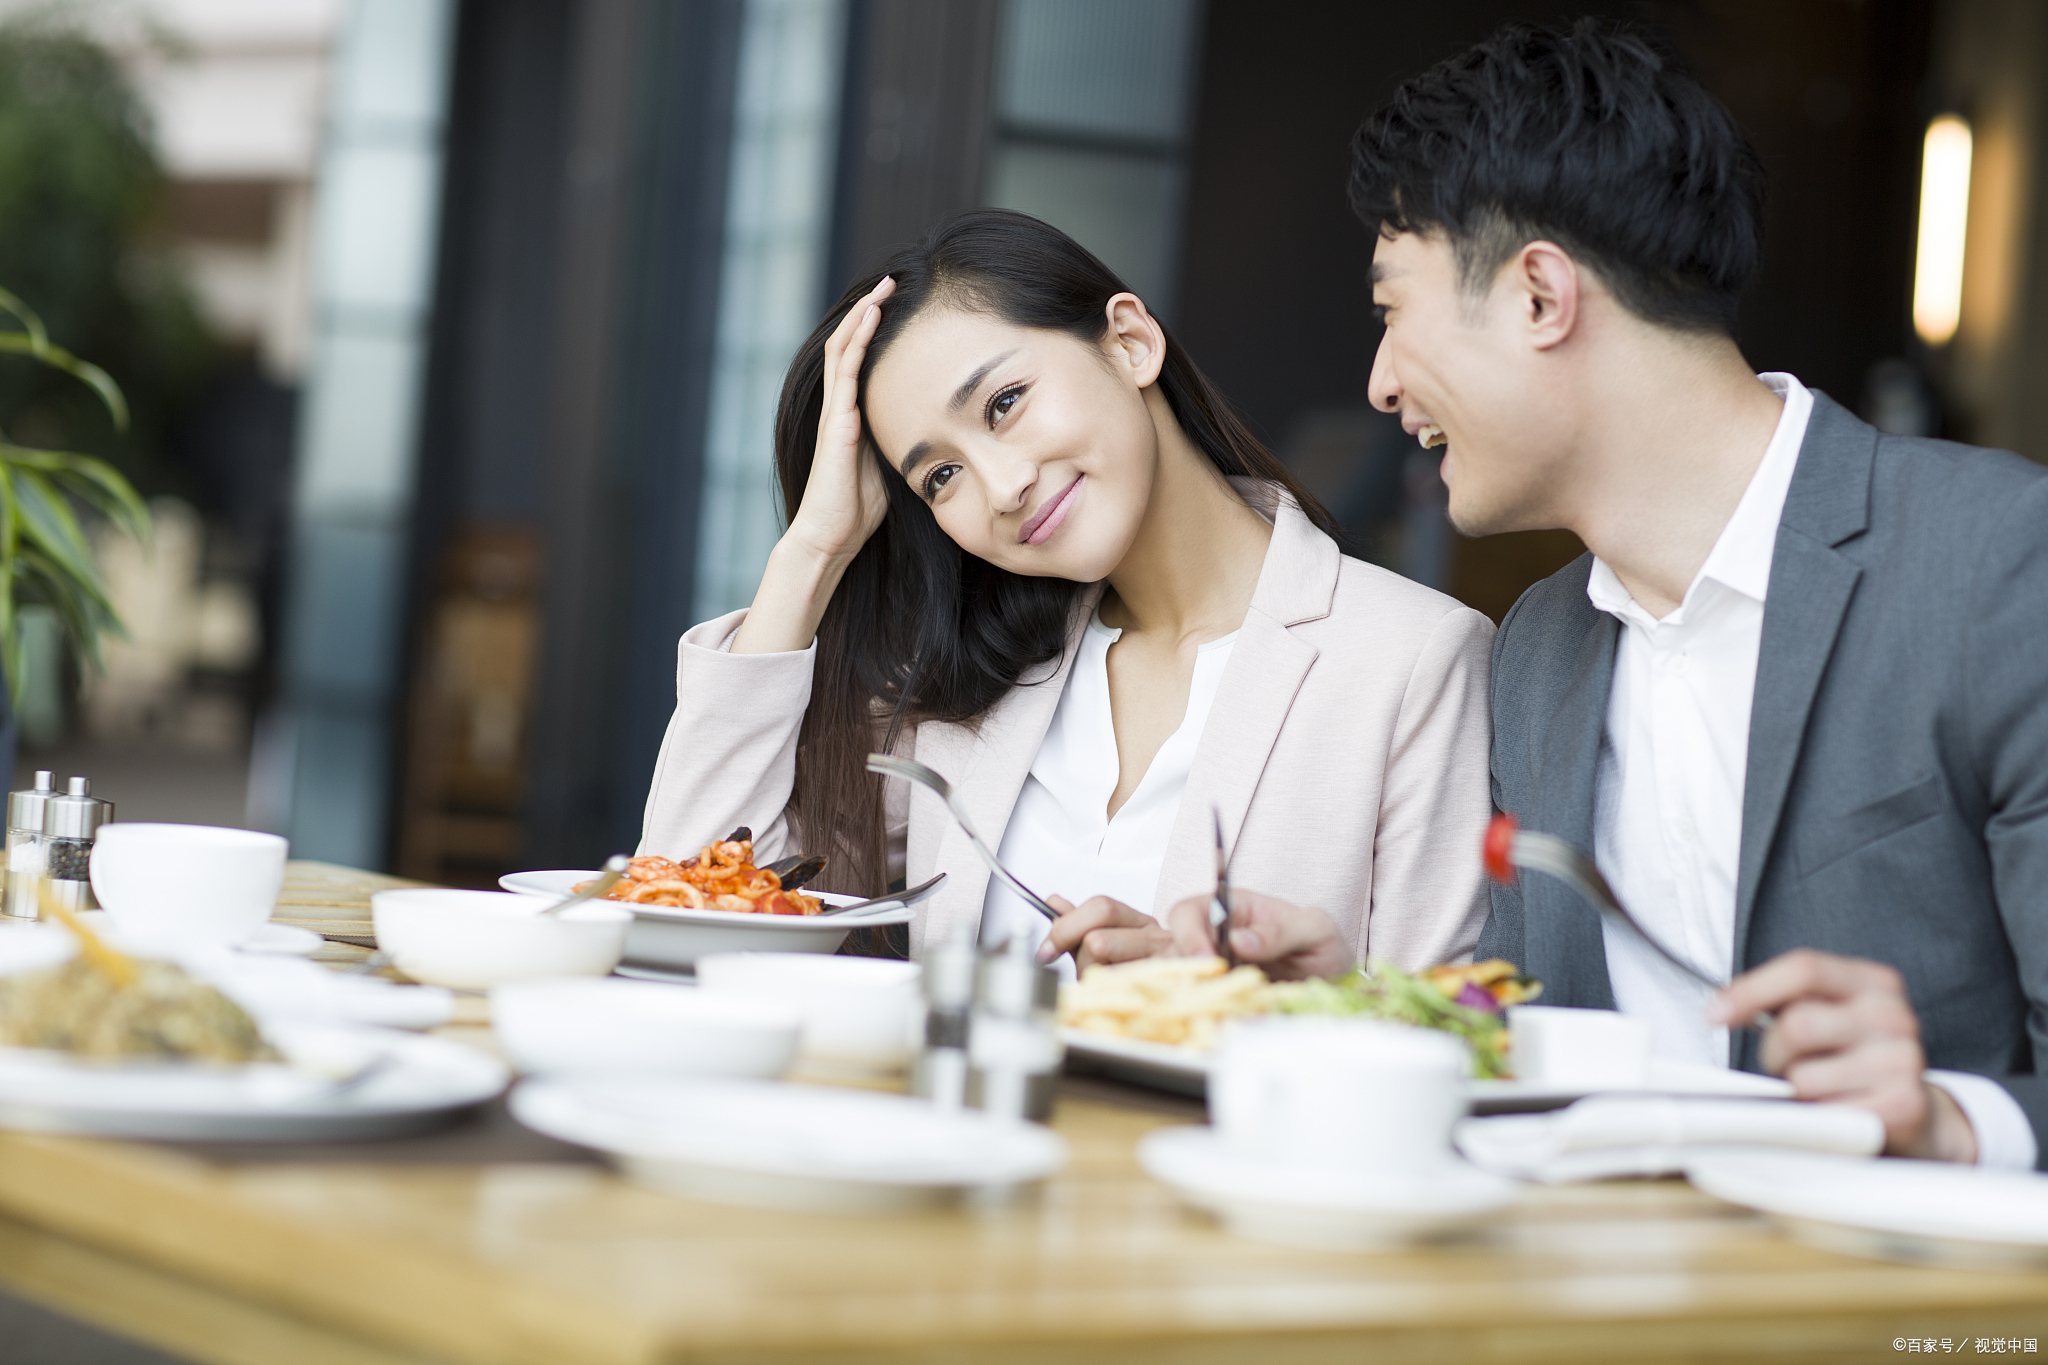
column 189, row 883
column 1576, row 1048
column 1342, row 1093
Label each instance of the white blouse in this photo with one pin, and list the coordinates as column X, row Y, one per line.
column 1060, row 840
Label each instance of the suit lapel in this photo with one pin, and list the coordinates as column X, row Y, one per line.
column 1564, row 942
column 1266, row 670
column 1268, row 663
column 1810, row 590
column 987, row 764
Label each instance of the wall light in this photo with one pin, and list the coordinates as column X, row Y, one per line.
column 1944, row 219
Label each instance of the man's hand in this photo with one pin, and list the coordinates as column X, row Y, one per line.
column 1101, row 930
column 1289, row 941
column 1845, row 1032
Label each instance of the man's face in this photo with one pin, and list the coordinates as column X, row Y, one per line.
column 1463, row 374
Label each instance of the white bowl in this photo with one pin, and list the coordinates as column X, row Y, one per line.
column 194, row 883
column 585, row 1027
column 472, row 940
column 860, row 1013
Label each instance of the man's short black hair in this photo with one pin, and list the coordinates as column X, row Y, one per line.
column 1591, row 137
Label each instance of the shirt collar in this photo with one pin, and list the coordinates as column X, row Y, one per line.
column 1741, row 557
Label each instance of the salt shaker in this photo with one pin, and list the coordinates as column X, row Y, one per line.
column 70, row 824
column 1014, row 1051
column 25, row 845
column 940, row 1073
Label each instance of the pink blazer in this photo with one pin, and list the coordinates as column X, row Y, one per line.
column 1346, row 749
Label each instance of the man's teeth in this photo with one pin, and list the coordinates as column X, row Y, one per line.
column 1431, row 436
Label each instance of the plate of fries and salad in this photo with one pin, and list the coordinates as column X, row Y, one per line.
column 1157, row 1020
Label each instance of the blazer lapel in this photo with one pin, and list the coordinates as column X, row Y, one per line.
column 1564, row 943
column 989, row 763
column 1297, row 583
column 1810, row 589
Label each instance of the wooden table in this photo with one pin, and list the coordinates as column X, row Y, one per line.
column 354, row 1258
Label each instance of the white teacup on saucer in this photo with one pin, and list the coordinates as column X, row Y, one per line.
column 1346, row 1093
column 1332, row 1133
column 188, row 883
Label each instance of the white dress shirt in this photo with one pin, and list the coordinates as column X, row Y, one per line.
column 1667, row 814
column 1061, row 839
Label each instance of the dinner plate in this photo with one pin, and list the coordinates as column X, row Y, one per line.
column 1888, row 1208
column 1333, row 1210
column 419, row 1083
column 671, row 938
column 815, row 1148
column 1184, row 1070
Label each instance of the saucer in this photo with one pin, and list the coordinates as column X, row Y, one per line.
column 287, row 939
column 1327, row 1209
column 268, row 937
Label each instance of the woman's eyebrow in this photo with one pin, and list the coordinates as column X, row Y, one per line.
column 966, row 391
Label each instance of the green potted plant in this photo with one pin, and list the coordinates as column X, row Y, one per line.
column 45, row 556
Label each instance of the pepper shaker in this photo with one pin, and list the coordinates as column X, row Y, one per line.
column 1014, row 1051
column 71, row 822
column 25, row 845
column 940, row 1073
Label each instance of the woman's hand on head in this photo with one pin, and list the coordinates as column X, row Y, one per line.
column 1101, row 930
column 843, row 501
column 844, row 497
column 1289, row 942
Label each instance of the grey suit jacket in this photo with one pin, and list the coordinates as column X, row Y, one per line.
column 1896, row 805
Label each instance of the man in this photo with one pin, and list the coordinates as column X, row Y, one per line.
column 1793, row 700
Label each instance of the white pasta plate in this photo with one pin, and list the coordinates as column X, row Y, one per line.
column 1185, row 1070
column 672, row 938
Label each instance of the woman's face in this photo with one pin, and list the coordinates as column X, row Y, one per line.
column 1036, row 451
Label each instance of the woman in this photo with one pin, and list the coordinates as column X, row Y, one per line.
column 1030, row 546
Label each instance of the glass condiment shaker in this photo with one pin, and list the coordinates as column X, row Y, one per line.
column 1014, row 1050
column 70, row 824
column 940, row 1074
column 25, row 845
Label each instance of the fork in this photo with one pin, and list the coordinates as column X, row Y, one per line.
column 888, row 765
column 1509, row 846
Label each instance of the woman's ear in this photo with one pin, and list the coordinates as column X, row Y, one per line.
column 1135, row 341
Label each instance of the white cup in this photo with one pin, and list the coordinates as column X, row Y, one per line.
column 192, row 883
column 1577, row 1049
column 1350, row 1093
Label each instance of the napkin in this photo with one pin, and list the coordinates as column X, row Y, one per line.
column 1611, row 1136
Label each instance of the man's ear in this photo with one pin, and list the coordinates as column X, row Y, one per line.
column 1134, row 338
column 1547, row 288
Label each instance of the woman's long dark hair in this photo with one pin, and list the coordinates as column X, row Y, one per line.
column 919, row 630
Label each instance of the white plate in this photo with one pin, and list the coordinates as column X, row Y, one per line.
column 425, row 1081
column 1185, row 1070
column 815, row 1148
column 1925, row 1211
column 671, row 938
column 1334, row 1210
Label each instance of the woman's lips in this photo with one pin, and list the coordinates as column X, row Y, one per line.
column 1047, row 519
